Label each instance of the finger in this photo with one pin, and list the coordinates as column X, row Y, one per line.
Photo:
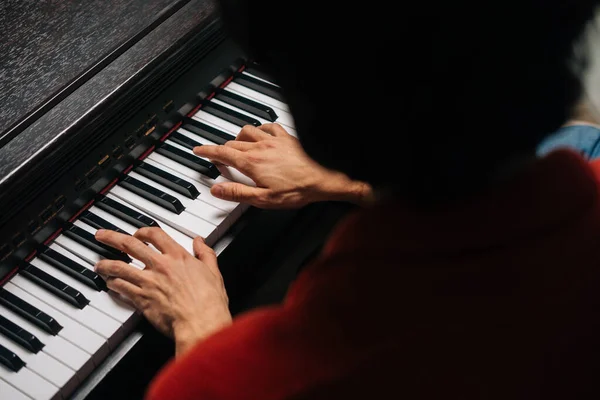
column 241, row 146
column 207, row 255
column 119, row 269
column 251, row 133
column 240, row 193
column 159, row 238
column 128, row 244
column 124, row 288
column 274, row 129
column 224, row 155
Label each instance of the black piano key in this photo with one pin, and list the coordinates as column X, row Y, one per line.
column 124, row 212
column 29, row 312
column 247, row 105
column 257, row 70
column 189, row 160
column 99, row 223
column 72, row 268
column 54, row 285
column 19, row 335
column 206, row 131
column 184, row 141
column 87, row 239
column 230, row 115
column 152, row 194
column 10, row 360
column 263, row 87
column 169, row 180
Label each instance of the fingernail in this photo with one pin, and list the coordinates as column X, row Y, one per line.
column 95, row 266
column 100, row 231
column 217, row 191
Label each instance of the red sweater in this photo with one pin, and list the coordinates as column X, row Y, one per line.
column 496, row 300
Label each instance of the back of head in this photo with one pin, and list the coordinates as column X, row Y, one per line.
column 426, row 99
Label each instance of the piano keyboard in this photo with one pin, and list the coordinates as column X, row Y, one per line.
column 57, row 319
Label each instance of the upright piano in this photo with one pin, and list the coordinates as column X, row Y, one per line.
column 101, row 103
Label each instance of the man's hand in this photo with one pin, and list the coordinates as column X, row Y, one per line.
column 182, row 296
column 285, row 176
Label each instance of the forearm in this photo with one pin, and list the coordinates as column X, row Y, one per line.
column 338, row 187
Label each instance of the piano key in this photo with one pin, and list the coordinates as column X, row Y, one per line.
column 45, row 366
column 229, row 115
column 89, row 317
column 195, row 207
column 101, row 301
column 248, row 105
column 10, row 393
column 205, row 194
column 122, row 211
column 261, row 86
column 184, row 140
column 19, row 335
column 184, row 222
column 171, row 181
column 28, row 311
column 187, row 172
column 257, row 71
column 283, row 115
column 29, row 383
column 75, row 345
column 206, row 131
column 82, row 234
column 184, row 241
column 152, row 194
column 9, row 359
column 57, row 347
column 53, row 285
column 189, row 160
column 121, row 224
column 98, row 222
column 72, row 268
column 228, row 172
column 253, row 94
column 217, row 122
column 263, row 121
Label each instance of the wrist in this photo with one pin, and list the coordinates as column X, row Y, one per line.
column 338, row 187
column 187, row 334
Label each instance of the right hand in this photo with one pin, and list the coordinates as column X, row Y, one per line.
column 285, row 176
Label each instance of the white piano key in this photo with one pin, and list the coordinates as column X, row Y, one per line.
column 289, row 127
column 74, row 344
column 88, row 255
column 196, row 207
column 29, row 383
column 54, row 346
column 10, row 393
column 253, row 94
column 184, row 222
column 217, row 122
column 42, row 364
column 204, row 190
column 184, row 241
column 118, row 222
column 101, row 301
column 228, row 172
column 195, row 175
column 259, row 78
column 89, row 317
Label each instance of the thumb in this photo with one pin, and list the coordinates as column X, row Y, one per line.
column 240, row 193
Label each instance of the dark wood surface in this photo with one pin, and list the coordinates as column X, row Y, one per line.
column 47, row 43
column 94, row 92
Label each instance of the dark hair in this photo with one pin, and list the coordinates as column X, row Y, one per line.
column 428, row 98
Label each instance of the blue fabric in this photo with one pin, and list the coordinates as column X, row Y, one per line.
column 584, row 139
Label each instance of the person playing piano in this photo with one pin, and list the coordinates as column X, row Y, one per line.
column 472, row 271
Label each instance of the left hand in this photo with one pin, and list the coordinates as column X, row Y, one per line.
column 181, row 295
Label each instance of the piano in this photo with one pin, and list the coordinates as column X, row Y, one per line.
column 101, row 103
